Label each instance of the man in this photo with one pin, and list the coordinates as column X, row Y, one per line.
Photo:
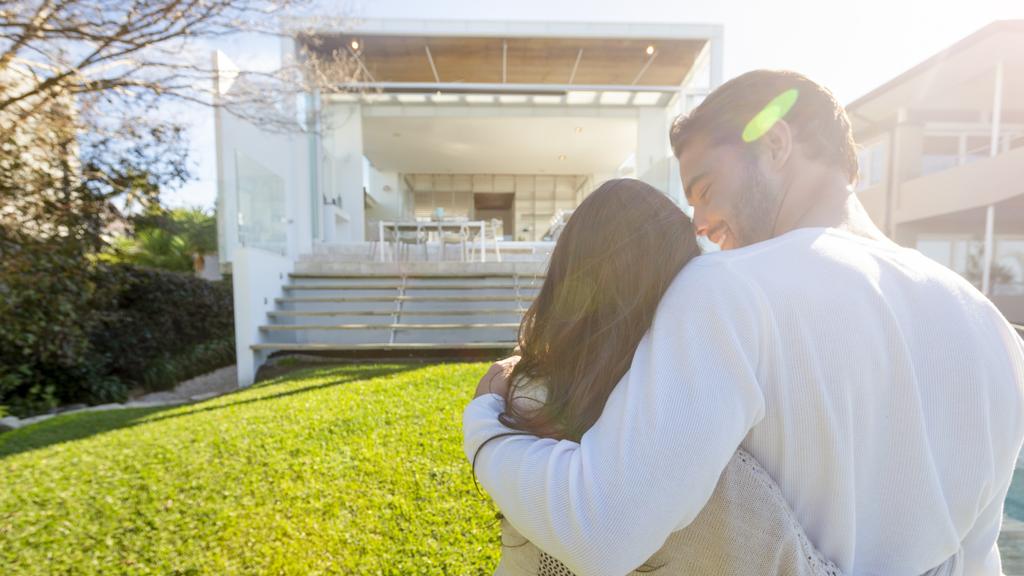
column 881, row 391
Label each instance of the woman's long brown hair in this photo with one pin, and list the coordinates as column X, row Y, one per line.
column 616, row 256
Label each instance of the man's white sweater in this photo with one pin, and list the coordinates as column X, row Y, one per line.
column 881, row 391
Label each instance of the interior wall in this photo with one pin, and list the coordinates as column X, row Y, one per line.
column 536, row 198
column 388, row 198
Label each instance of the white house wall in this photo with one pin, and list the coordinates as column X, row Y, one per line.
column 257, row 278
column 388, row 195
column 342, row 167
column 264, row 174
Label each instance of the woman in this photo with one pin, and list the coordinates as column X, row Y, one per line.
column 613, row 262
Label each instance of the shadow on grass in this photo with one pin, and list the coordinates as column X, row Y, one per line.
column 350, row 376
column 79, row 425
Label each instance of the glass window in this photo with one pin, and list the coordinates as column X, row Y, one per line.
column 877, row 164
column 962, row 254
column 871, row 160
column 976, row 148
column 939, row 250
column 1008, row 266
column 939, row 153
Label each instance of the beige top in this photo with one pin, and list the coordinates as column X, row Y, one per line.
column 745, row 528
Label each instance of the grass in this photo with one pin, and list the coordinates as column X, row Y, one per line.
column 337, row 470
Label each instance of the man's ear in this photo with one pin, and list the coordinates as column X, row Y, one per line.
column 777, row 144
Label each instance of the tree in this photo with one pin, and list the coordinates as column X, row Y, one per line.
column 79, row 81
column 166, row 239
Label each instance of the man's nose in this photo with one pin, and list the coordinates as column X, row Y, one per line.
column 700, row 223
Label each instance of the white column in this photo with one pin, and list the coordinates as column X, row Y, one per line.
column 997, row 108
column 652, row 147
column 227, row 199
column 986, row 274
column 990, row 212
column 897, row 170
column 715, row 62
column 345, row 154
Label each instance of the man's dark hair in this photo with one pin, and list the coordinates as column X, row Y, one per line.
column 818, row 122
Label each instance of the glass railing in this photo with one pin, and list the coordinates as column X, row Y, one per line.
column 945, row 151
column 262, row 221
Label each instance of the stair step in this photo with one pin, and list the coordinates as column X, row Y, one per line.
column 294, row 300
column 480, row 312
column 407, row 287
column 416, row 276
column 319, row 347
column 400, row 326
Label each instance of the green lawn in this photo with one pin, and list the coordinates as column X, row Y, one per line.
column 339, row 470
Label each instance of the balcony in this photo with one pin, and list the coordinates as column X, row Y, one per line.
column 972, row 185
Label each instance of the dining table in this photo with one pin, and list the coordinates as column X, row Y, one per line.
column 438, row 226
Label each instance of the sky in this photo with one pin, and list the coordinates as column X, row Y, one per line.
column 849, row 46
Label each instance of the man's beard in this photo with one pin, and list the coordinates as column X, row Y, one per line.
column 756, row 208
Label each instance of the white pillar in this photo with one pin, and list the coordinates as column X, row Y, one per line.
column 652, row 147
column 227, row 199
column 990, row 212
column 715, row 63
column 986, row 264
column 343, row 148
column 997, row 108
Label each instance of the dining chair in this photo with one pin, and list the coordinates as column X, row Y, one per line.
column 408, row 238
column 493, row 232
column 461, row 238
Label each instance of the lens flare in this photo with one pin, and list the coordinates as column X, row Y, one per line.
column 769, row 115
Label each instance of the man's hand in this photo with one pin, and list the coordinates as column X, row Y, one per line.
column 496, row 379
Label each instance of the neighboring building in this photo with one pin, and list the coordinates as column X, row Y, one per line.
column 942, row 160
column 509, row 121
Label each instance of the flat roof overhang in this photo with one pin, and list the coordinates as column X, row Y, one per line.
column 956, row 83
column 403, row 61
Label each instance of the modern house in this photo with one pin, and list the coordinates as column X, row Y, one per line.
column 942, row 160
column 510, row 123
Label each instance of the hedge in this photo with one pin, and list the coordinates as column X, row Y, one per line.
column 127, row 328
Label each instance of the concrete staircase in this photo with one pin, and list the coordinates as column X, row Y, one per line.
column 394, row 309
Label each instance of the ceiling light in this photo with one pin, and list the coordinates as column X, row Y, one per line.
column 577, row 97
column 561, row 156
column 650, row 50
column 579, row 129
column 612, row 97
column 646, row 98
column 355, row 44
column 512, row 98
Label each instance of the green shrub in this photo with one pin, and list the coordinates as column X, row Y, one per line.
column 92, row 336
column 154, row 317
column 163, row 373
column 46, row 301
